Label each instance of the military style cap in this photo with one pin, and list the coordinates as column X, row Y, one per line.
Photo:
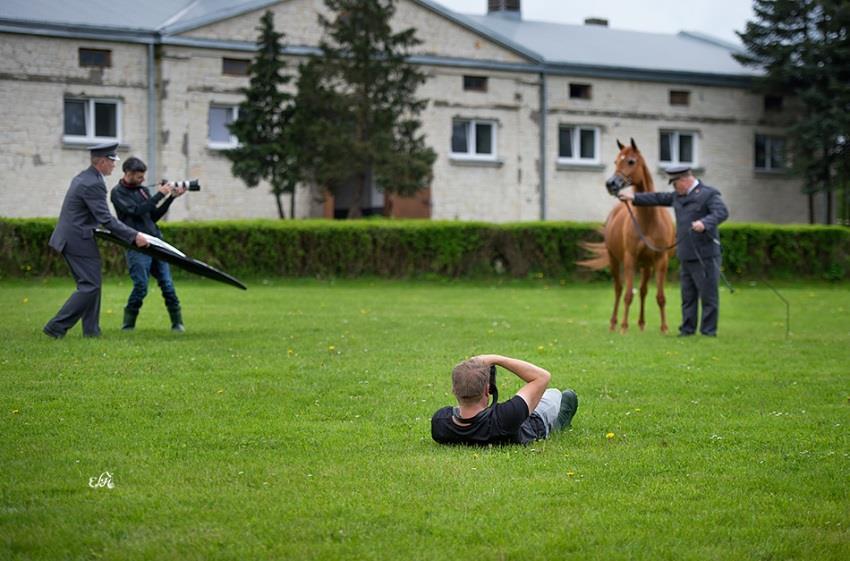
column 675, row 172
column 108, row 150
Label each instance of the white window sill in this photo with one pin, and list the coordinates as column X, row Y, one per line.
column 579, row 165
column 780, row 172
column 662, row 166
column 456, row 160
column 219, row 146
column 77, row 143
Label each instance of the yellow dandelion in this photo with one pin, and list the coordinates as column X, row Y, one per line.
column 15, row 411
column 290, row 352
column 220, row 391
column 331, row 348
column 609, row 436
column 541, row 348
column 571, row 474
column 25, row 300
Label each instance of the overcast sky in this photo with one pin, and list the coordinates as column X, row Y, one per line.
column 720, row 18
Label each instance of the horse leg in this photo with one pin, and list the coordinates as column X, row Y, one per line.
column 644, row 281
column 618, row 290
column 660, row 275
column 629, row 274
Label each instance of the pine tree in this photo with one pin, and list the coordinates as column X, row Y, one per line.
column 357, row 112
column 804, row 48
column 267, row 149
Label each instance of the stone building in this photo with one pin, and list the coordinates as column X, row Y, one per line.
column 523, row 115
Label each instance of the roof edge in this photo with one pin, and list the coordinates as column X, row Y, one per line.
column 215, row 17
column 79, row 31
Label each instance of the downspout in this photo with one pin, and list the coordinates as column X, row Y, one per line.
column 543, row 110
column 152, row 169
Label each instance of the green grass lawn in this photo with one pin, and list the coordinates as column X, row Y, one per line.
column 292, row 421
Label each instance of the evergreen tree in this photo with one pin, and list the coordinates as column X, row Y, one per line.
column 266, row 148
column 357, row 112
column 804, row 48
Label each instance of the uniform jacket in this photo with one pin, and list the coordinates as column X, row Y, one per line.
column 702, row 203
column 83, row 210
column 138, row 209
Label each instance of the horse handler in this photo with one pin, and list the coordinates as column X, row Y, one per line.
column 699, row 210
column 532, row 414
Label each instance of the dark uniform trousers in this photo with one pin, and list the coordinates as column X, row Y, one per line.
column 699, row 282
column 84, row 303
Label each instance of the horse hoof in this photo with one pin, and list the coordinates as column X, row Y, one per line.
column 624, row 329
column 641, row 325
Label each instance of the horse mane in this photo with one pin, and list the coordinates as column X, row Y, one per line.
column 648, row 183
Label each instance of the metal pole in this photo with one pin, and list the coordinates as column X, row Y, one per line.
column 153, row 172
column 542, row 120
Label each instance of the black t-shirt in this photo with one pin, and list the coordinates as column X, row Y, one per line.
column 496, row 425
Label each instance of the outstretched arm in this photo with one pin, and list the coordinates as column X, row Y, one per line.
column 536, row 378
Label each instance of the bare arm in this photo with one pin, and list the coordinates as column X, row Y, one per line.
column 536, row 378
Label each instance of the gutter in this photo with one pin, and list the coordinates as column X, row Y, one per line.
column 543, row 110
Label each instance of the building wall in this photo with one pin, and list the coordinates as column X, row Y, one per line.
column 725, row 121
column 36, row 74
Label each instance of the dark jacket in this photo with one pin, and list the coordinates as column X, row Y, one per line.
column 83, row 210
column 138, row 208
column 702, row 203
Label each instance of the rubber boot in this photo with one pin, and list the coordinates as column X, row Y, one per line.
column 129, row 320
column 176, row 321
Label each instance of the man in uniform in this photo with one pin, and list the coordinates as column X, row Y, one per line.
column 139, row 209
column 83, row 210
column 699, row 210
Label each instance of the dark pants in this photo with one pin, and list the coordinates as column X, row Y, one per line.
column 84, row 302
column 699, row 284
column 142, row 267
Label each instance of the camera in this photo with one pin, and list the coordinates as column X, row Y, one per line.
column 188, row 184
column 494, row 391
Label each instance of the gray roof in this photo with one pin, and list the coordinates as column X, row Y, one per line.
column 594, row 45
column 591, row 50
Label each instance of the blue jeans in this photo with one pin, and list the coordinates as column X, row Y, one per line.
column 142, row 267
column 541, row 423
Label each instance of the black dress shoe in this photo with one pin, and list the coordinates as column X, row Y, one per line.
column 51, row 334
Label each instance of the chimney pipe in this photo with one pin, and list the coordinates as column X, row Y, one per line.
column 601, row 22
column 504, row 8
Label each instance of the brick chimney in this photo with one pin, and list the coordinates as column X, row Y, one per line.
column 504, row 8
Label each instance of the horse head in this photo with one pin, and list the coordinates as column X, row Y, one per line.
column 630, row 170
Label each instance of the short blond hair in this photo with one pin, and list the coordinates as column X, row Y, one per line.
column 469, row 379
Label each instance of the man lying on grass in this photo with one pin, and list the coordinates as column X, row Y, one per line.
column 532, row 414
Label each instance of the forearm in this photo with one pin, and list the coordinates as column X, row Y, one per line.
column 526, row 371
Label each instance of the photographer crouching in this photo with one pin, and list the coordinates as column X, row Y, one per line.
column 137, row 208
column 532, row 414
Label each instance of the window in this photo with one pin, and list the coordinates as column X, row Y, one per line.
column 219, row 117
column 680, row 97
column 773, row 103
column 579, row 145
column 678, row 147
column 235, row 66
column 95, row 57
column 474, row 139
column 580, row 91
column 92, row 120
column 770, row 153
column 475, row 83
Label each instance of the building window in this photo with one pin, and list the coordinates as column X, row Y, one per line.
column 475, row 83
column 220, row 137
column 580, row 91
column 680, row 97
column 578, row 145
column 98, row 58
column 773, row 103
column 235, row 66
column 474, row 139
column 770, row 153
column 92, row 120
column 678, row 147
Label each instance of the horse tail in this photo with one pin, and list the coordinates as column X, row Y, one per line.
column 599, row 255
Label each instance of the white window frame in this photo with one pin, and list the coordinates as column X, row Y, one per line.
column 674, row 149
column 769, row 139
column 89, row 137
column 576, row 159
column 470, row 137
column 233, row 142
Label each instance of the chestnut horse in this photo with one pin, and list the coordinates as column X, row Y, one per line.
column 635, row 238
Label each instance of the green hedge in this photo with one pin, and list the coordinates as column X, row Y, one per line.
column 390, row 248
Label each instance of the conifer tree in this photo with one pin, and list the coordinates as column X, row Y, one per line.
column 267, row 149
column 804, row 48
column 357, row 112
